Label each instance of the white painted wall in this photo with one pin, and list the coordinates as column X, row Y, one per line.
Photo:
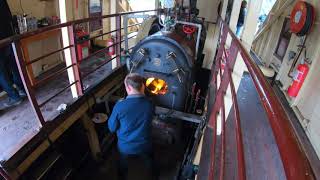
column 307, row 103
column 208, row 9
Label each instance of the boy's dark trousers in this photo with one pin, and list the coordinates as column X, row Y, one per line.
column 140, row 166
column 8, row 71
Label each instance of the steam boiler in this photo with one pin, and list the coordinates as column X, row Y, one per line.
column 170, row 62
column 166, row 60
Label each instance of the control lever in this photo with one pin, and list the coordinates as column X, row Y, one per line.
column 135, row 64
column 176, row 72
column 171, row 55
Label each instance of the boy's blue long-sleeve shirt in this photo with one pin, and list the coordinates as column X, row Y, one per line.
column 131, row 120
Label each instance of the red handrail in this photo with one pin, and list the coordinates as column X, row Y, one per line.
column 15, row 42
column 295, row 162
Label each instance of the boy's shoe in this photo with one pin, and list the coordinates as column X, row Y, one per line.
column 11, row 102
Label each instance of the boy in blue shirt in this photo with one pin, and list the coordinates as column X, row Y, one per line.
column 131, row 120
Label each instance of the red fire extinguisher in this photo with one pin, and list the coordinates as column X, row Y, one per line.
column 83, row 44
column 298, row 79
column 111, row 49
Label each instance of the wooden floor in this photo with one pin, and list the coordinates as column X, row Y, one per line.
column 19, row 124
column 261, row 152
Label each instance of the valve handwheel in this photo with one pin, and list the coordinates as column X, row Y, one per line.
column 189, row 29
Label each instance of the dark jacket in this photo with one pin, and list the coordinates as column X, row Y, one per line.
column 242, row 16
column 6, row 28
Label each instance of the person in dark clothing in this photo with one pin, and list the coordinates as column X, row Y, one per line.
column 8, row 66
column 242, row 16
column 131, row 119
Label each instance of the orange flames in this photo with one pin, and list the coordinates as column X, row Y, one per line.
column 156, row 86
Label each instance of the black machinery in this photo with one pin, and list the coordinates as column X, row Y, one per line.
column 170, row 61
column 166, row 60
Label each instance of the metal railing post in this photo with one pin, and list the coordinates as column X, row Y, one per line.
column 118, row 39
column 75, row 59
column 16, row 48
column 125, row 30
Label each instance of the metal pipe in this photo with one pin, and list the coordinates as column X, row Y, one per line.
column 49, row 54
column 99, row 66
column 136, row 24
column 296, row 58
column 125, row 29
column 199, row 26
column 196, row 101
column 53, row 75
column 94, row 37
column 98, row 52
column 118, row 40
column 61, row 91
column 193, row 89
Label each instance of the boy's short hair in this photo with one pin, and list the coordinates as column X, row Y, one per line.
column 135, row 81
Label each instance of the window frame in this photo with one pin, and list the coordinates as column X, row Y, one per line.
column 284, row 34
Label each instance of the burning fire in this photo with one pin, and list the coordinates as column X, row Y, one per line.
column 156, row 86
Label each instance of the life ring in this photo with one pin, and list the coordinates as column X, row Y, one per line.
column 302, row 18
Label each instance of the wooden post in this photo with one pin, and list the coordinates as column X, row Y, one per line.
column 92, row 136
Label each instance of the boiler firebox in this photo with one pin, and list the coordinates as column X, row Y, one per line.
column 166, row 60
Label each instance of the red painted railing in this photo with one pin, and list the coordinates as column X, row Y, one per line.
column 295, row 162
column 15, row 43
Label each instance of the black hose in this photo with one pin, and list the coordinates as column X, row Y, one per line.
column 297, row 57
